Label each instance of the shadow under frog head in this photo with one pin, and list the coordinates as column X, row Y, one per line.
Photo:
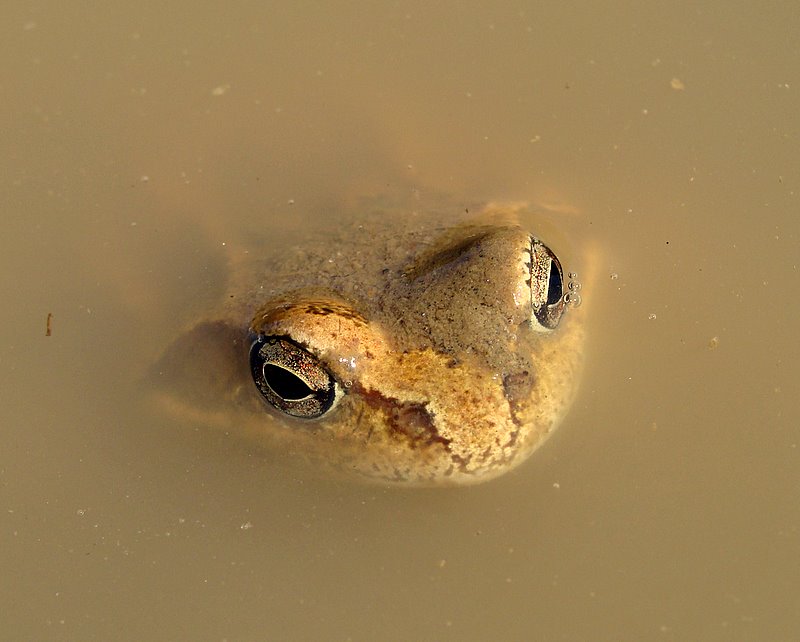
column 404, row 351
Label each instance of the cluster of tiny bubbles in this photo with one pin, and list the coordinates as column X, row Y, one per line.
column 572, row 298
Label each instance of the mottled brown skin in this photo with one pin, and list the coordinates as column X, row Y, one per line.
column 425, row 325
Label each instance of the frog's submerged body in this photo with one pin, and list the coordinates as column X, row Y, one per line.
column 407, row 350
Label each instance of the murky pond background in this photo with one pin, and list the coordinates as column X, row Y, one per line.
column 141, row 141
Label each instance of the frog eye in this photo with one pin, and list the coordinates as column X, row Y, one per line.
column 292, row 379
column 547, row 287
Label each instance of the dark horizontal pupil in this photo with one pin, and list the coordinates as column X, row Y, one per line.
column 554, row 288
column 285, row 384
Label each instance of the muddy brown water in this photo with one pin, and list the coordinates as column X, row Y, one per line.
column 141, row 142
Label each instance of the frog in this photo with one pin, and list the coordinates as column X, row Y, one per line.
column 416, row 348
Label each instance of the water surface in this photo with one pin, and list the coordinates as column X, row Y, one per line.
column 141, row 143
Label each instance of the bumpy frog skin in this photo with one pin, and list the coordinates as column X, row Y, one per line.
column 406, row 351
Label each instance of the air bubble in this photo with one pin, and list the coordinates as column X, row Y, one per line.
column 572, row 298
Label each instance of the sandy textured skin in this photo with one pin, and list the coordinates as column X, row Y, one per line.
column 424, row 323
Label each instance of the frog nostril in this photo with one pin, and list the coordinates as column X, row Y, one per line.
column 291, row 379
